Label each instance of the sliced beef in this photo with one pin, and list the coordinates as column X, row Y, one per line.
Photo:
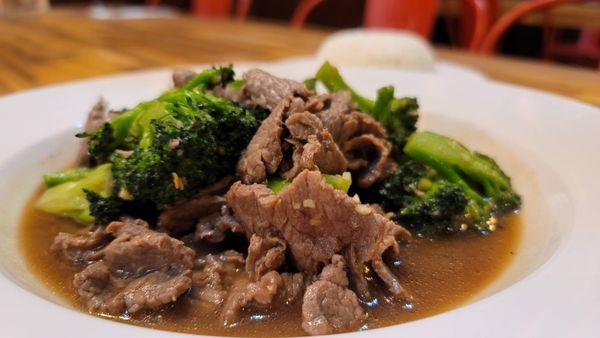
column 328, row 305
column 263, row 154
column 332, row 109
column 182, row 76
column 213, row 228
column 264, row 254
column 139, row 269
column 214, row 274
column 272, row 288
column 293, row 286
column 259, row 294
column 305, row 131
column 318, row 221
column 266, row 90
column 370, row 156
column 313, row 146
column 97, row 116
column 290, row 126
column 80, row 249
column 182, row 217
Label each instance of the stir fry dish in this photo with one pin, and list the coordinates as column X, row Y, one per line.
column 231, row 205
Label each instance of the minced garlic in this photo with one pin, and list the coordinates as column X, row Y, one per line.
column 308, row 203
column 363, row 209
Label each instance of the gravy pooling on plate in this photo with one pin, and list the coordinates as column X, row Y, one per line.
column 444, row 272
column 231, row 207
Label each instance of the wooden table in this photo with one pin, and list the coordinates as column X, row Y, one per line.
column 67, row 45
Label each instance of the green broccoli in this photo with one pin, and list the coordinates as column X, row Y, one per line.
column 330, row 77
column 166, row 149
column 190, row 149
column 398, row 115
column 70, row 198
column 487, row 187
column 422, row 199
column 104, row 209
column 444, row 187
column 341, row 182
column 67, row 175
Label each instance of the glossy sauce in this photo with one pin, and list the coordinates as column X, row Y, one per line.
column 440, row 273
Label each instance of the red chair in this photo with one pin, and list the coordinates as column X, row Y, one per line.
column 488, row 46
column 216, row 8
column 476, row 18
column 414, row 15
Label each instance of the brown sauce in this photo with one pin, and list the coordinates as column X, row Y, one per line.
column 441, row 274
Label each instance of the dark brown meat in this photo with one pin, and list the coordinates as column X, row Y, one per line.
column 182, row 76
column 328, row 305
column 139, row 269
column 313, row 145
column 259, row 294
column 293, row 286
column 305, row 131
column 370, row 156
column 332, row 109
column 214, row 227
column 264, row 254
column 96, row 117
column 266, row 90
column 317, row 221
column 263, row 154
column 214, row 274
column 182, row 217
column 272, row 288
column 80, row 249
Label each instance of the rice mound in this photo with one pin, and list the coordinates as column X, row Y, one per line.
column 377, row 48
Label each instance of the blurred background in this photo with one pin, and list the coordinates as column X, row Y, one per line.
column 558, row 31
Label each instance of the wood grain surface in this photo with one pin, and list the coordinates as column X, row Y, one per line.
column 66, row 45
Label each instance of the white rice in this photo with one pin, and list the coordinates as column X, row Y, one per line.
column 377, row 48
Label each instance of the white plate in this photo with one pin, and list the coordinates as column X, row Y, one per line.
column 548, row 144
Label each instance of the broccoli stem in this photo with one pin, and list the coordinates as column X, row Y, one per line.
column 479, row 176
column 67, row 175
column 382, row 109
column 70, row 199
column 310, row 83
column 330, row 76
column 277, row 183
column 340, row 182
column 398, row 115
column 446, row 154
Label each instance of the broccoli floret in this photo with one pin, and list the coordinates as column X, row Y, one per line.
column 398, row 115
column 199, row 142
column 439, row 210
column 421, row 198
column 487, row 187
column 133, row 127
column 409, row 180
column 104, row 209
column 69, row 198
column 196, row 139
column 166, row 149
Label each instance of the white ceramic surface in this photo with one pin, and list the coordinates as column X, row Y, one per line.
column 548, row 144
